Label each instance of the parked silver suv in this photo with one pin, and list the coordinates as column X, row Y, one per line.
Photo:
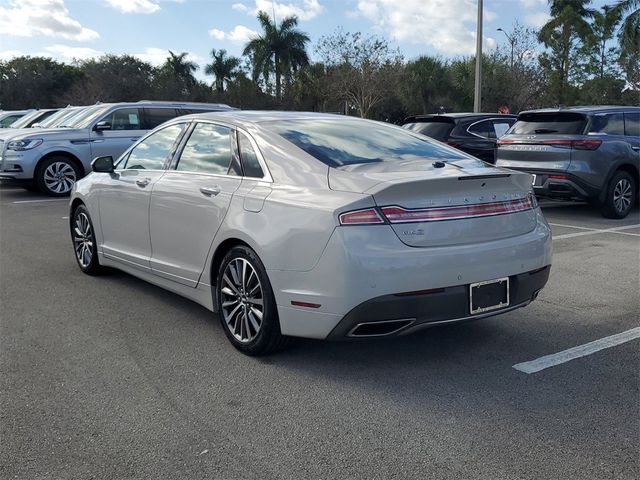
column 585, row 153
column 53, row 159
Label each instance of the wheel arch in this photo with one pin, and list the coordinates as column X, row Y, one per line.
column 61, row 153
column 623, row 167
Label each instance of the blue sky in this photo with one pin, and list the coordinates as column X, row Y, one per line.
column 67, row 29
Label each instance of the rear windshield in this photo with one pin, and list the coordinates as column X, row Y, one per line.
column 435, row 129
column 568, row 123
column 348, row 142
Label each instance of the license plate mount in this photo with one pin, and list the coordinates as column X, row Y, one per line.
column 488, row 295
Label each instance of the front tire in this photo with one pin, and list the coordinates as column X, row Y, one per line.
column 246, row 304
column 56, row 176
column 84, row 241
column 620, row 196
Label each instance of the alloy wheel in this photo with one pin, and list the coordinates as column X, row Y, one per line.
column 83, row 240
column 242, row 298
column 59, row 177
column 622, row 194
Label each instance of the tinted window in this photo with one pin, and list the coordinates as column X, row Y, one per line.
column 632, row 124
column 438, row 130
column 484, row 129
column 611, row 124
column 31, row 118
column 346, row 142
column 250, row 163
column 208, row 150
column 548, row 123
column 124, row 119
column 8, row 120
column 157, row 116
column 152, row 152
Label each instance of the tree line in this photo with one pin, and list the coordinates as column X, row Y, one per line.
column 580, row 56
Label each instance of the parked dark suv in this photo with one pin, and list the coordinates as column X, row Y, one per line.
column 473, row 133
column 584, row 153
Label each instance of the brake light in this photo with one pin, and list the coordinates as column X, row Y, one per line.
column 396, row 214
column 558, row 143
column 367, row 216
column 558, row 177
column 577, row 144
column 587, row 144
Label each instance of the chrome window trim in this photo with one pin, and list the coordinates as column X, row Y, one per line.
column 486, row 120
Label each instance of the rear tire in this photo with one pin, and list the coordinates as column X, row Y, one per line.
column 246, row 304
column 620, row 196
column 84, row 241
column 56, row 176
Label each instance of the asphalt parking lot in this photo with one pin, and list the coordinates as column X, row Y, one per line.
column 110, row 377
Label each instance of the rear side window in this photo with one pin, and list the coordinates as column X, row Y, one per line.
column 632, row 124
column 152, row 152
column 8, row 120
column 483, row 129
column 438, row 130
column 208, row 150
column 611, row 124
column 124, row 119
column 250, row 163
column 157, row 116
column 568, row 123
column 348, row 142
column 501, row 126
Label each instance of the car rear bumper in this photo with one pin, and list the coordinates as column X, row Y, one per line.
column 560, row 184
column 400, row 314
column 366, row 267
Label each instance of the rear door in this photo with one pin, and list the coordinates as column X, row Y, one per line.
column 190, row 202
column 481, row 141
column 632, row 132
column 541, row 141
column 126, row 128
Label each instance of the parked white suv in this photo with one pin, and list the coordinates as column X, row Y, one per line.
column 52, row 160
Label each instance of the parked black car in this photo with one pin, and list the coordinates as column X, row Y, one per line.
column 584, row 153
column 473, row 133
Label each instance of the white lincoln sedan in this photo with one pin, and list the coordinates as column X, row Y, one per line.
column 313, row 225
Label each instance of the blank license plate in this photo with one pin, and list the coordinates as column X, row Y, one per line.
column 489, row 295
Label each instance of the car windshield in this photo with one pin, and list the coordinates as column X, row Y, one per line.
column 439, row 130
column 568, row 123
column 347, row 142
column 56, row 118
column 26, row 120
column 85, row 118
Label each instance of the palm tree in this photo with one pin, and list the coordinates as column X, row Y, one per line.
column 223, row 68
column 281, row 49
column 630, row 32
column 182, row 68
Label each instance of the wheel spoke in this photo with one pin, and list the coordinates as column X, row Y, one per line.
column 230, row 284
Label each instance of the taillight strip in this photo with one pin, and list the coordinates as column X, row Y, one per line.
column 396, row 214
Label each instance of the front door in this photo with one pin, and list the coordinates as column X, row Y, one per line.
column 126, row 195
column 189, row 203
column 125, row 128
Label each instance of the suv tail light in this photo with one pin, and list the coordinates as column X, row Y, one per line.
column 577, row 144
column 587, row 144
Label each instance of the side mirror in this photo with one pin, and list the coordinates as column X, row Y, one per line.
column 103, row 164
column 101, row 126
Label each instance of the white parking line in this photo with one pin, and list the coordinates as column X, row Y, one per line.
column 576, row 352
column 44, row 200
column 594, row 231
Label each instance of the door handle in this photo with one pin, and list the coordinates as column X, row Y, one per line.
column 210, row 191
column 636, row 148
column 142, row 182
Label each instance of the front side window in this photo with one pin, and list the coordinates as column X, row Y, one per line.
column 483, row 129
column 348, row 142
column 124, row 119
column 152, row 152
column 250, row 163
column 208, row 150
column 611, row 124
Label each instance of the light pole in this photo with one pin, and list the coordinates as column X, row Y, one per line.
column 477, row 102
column 512, row 42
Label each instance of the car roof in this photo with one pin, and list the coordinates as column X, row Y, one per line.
column 262, row 116
column 586, row 109
column 457, row 116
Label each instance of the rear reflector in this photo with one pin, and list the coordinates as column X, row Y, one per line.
column 361, row 217
column 396, row 214
column 558, row 177
column 296, row 303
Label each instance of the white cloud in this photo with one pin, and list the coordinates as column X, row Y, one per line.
column 25, row 18
column 157, row 56
column 449, row 26
column 134, row 6
column 67, row 52
column 9, row 54
column 240, row 34
column 303, row 9
column 537, row 19
column 533, row 3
